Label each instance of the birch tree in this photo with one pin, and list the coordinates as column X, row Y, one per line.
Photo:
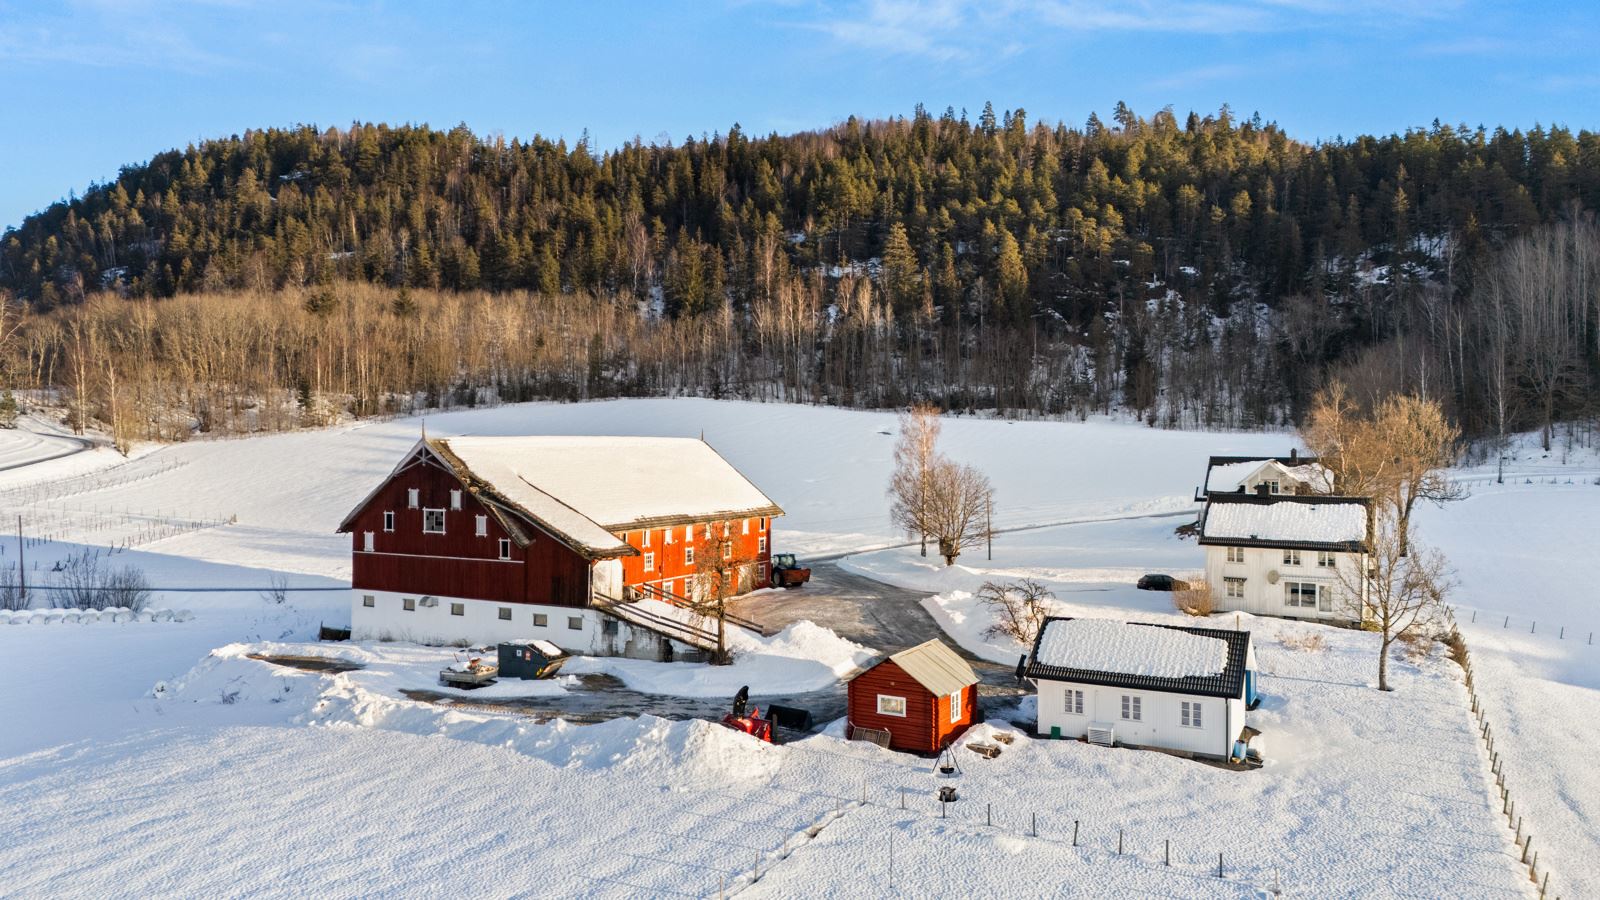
column 916, row 453
column 1405, row 589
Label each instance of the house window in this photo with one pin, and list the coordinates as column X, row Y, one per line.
column 727, row 550
column 1272, row 487
column 540, row 620
column 647, row 537
column 366, row 541
column 409, row 604
column 481, row 526
column 1233, row 588
column 649, row 562
column 455, row 499
column 575, row 623
column 433, row 521
column 1132, row 708
column 505, row 548
column 761, row 545
column 388, row 521
column 746, row 526
column 955, row 707
column 458, row 609
column 763, row 521
column 688, row 556
column 1189, row 715
column 1326, row 560
column 891, row 706
column 1236, row 554
column 413, row 497
column 1074, row 704
column 369, row 601
column 505, row 613
column 1291, row 557
column 1300, row 594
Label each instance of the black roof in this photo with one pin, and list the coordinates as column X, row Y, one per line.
column 1293, row 460
column 1227, row 683
column 1270, row 499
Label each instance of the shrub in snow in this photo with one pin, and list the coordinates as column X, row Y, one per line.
column 83, row 582
column 1020, row 608
column 11, row 597
column 1309, row 642
column 1195, row 597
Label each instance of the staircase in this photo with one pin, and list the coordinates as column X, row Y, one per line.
column 653, row 592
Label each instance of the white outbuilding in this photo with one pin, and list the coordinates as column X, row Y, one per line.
column 1145, row 685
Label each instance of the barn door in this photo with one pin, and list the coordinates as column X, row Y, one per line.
column 608, row 578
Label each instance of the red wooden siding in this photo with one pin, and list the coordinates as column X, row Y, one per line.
column 457, row 563
column 926, row 725
column 669, row 558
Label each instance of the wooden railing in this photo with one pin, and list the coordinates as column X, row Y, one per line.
column 656, row 592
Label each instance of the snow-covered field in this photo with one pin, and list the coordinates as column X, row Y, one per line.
column 339, row 785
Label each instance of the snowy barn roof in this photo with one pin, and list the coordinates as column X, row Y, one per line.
column 1227, row 474
column 1307, row 522
column 1205, row 661
column 585, row 489
column 936, row 667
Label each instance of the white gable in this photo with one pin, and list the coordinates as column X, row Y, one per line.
column 1288, row 521
column 1106, row 645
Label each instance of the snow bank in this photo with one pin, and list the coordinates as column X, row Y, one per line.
column 1106, row 645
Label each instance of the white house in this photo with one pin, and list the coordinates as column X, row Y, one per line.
column 1161, row 686
column 1292, row 474
column 1291, row 556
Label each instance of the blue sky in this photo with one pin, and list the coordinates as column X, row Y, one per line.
column 91, row 85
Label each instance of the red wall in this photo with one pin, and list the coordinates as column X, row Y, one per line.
column 926, row 725
column 457, row 563
column 669, row 557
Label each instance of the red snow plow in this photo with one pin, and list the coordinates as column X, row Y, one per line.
column 749, row 722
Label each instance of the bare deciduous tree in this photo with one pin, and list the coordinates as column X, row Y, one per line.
column 960, row 502
column 1405, row 591
column 724, row 573
column 915, row 453
column 1020, row 608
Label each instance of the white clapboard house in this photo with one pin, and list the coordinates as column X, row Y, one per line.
column 1293, row 556
column 1129, row 683
column 1292, row 474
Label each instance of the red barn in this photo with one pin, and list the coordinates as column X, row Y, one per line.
column 923, row 698
column 591, row 543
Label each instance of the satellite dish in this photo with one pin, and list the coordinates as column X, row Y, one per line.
column 1272, row 576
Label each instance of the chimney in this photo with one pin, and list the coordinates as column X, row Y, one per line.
column 1261, row 490
column 1294, row 455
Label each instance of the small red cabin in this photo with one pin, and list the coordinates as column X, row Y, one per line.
column 923, row 698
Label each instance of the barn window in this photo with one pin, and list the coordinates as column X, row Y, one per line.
column 458, row 609
column 388, row 520
column 1234, row 588
column 647, row 537
column 666, row 535
column 649, row 562
column 505, row 548
column 688, row 556
column 1327, row 560
column 1291, row 557
column 366, row 541
column 505, row 613
column 891, row 706
column 746, row 525
column 727, row 550
column 761, row 545
column 433, row 521
column 1236, row 554
column 1189, row 715
column 1132, row 708
column 409, row 604
column 482, row 526
column 413, row 497
column 955, row 707
column 369, row 601
column 540, row 620
column 763, row 521
column 575, row 623
column 455, row 499
column 1074, row 704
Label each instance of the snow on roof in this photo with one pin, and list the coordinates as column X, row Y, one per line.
column 586, row 488
column 1286, row 520
column 1229, row 476
column 1232, row 475
column 936, row 667
column 1106, row 645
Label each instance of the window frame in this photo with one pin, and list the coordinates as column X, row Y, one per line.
column 505, row 548
column 650, row 561
column 1235, row 554
column 1291, row 557
column 369, row 601
column 1132, row 703
column 1073, row 702
column 955, row 706
column 388, row 521
column 458, row 609
column 413, row 498
column 727, row 550
column 428, row 511
column 480, row 526
column 367, row 545
column 882, row 711
column 1229, row 584
column 541, row 620
column 408, row 604
column 574, row 623
column 1294, row 594
column 761, row 544
column 1191, row 714
column 455, row 498
column 1327, row 559
column 505, row 613
column 688, row 554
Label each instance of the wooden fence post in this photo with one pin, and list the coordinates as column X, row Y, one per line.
column 1074, row 832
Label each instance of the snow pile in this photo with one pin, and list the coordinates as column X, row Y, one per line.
column 1286, row 520
column 1106, row 645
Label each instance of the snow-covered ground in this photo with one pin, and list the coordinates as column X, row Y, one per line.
column 224, row 780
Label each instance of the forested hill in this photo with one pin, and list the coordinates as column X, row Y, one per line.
column 1038, row 217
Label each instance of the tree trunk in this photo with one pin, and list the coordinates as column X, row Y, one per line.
column 1383, row 663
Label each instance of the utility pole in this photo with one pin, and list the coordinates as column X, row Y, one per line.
column 988, row 522
column 22, row 567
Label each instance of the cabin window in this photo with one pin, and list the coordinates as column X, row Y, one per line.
column 1300, row 594
column 761, row 545
column 481, row 526
column 455, row 499
column 413, row 497
column 746, row 526
column 575, row 623
column 955, row 707
column 1189, row 715
column 1327, row 560
column 1074, row 702
column 433, row 521
column 1236, row 554
column 458, row 609
column 1233, row 588
column 369, row 601
column 1291, row 557
column 366, row 541
column 505, row 548
column 505, row 613
column 409, row 604
column 1132, row 708
column 540, row 620
column 649, row 562
column 688, row 556
column 891, row 706
column 727, row 550
column 388, row 521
